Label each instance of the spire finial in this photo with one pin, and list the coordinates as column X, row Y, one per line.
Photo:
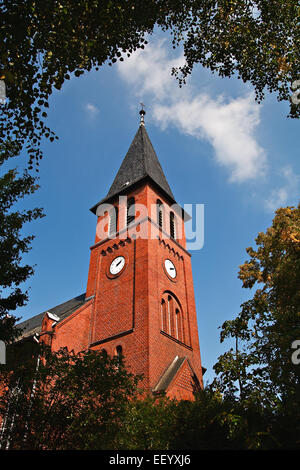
column 142, row 114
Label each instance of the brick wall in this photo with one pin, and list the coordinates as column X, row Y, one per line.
column 126, row 309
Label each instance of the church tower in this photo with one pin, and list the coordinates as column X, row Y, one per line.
column 139, row 300
column 141, row 278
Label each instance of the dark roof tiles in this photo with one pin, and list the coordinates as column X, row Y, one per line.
column 139, row 163
column 33, row 325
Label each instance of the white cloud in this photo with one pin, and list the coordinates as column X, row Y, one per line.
column 227, row 124
column 289, row 191
column 91, row 109
column 149, row 71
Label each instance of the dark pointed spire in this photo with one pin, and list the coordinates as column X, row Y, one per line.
column 140, row 162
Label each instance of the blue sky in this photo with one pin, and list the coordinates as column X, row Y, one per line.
column 217, row 147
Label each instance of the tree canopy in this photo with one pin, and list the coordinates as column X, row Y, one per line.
column 62, row 400
column 263, row 368
column 255, row 399
column 45, row 42
column 259, row 41
column 13, row 246
column 88, row 400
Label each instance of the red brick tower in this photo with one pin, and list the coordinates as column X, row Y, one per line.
column 140, row 298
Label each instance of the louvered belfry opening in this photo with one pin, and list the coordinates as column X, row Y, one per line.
column 113, row 221
column 130, row 210
column 172, row 225
column 159, row 213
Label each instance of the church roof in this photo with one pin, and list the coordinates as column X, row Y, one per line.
column 33, row 325
column 140, row 162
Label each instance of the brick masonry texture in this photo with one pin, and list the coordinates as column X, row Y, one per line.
column 125, row 310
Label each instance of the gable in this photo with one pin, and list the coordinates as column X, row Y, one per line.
column 179, row 380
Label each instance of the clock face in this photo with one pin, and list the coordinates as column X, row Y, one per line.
column 117, row 265
column 170, row 268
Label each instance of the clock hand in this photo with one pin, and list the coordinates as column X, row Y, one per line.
column 119, row 262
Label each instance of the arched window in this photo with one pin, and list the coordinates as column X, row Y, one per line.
column 159, row 206
column 104, row 352
column 171, row 317
column 178, row 325
column 172, row 225
column 163, row 316
column 113, row 221
column 130, row 210
column 119, row 352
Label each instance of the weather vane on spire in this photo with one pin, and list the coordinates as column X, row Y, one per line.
column 142, row 114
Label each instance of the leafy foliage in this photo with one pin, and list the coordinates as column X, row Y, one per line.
column 89, row 401
column 257, row 40
column 148, row 423
column 215, row 422
column 64, row 400
column 45, row 42
column 13, row 246
column 261, row 368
